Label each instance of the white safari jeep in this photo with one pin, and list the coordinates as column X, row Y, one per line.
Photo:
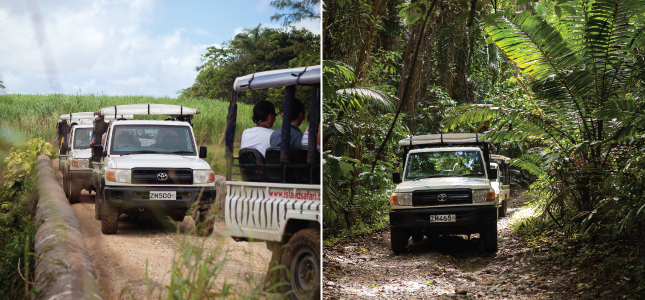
column 149, row 167
column 501, row 182
column 445, row 190
column 278, row 199
column 76, row 153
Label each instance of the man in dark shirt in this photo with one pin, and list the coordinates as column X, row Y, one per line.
column 297, row 116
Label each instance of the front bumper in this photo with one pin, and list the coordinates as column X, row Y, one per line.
column 470, row 219
column 137, row 197
column 81, row 178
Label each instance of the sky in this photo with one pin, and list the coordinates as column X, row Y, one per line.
column 118, row 47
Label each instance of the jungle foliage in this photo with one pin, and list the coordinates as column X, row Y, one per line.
column 254, row 50
column 557, row 85
column 584, row 114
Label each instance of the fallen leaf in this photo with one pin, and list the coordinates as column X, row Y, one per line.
column 371, row 287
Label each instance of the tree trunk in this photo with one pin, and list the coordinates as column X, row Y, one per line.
column 366, row 39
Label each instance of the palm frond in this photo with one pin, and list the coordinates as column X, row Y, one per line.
column 372, row 96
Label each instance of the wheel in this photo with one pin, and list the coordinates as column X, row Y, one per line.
column 301, row 257
column 74, row 194
column 399, row 239
column 97, row 206
column 109, row 217
column 204, row 224
column 417, row 237
column 66, row 186
column 502, row 209
column 490, row 238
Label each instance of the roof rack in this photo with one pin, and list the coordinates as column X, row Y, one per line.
column 439, row 139
column 89, row 115
column 278, row 78
column 147, row 109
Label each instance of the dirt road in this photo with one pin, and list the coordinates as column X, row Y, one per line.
column 120, row 259
column 451, row 267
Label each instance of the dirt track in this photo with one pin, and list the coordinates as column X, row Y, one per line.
column 450, row 267
column 120, row 259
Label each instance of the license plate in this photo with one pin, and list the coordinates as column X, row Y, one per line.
column 163, row 195
column 443, row 218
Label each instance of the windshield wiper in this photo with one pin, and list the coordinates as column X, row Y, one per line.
column 181, row 152
column 471, row 174
column 140, row 152
column 430, row 176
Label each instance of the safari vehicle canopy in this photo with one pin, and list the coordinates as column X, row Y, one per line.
column 446, row 140
column 283, row 164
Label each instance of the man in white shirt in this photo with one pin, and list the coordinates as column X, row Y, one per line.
column 258, row 137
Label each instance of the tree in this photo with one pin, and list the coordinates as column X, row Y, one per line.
column 580, row 108
column 254, row 50
column 1, row 86
column 300, row 10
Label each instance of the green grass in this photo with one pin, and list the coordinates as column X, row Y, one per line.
column 23, row 117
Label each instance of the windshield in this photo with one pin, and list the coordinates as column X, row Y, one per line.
column 444, row 164
column 82, row 138
column 163, row 139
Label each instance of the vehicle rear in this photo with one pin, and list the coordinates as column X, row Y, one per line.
column 278, row 199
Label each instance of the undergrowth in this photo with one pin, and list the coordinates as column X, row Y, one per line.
column 17, row 210
column 602, row 262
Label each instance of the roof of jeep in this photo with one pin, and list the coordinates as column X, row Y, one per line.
column 147, row 109
column 445, row 149
column 149, row 122
column 446, row 138
column 278, row 78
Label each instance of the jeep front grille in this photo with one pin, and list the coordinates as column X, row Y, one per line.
column 155, row 176
column 456, row 196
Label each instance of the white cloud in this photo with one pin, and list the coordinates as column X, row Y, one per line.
column 97, row 46
column 237, row 31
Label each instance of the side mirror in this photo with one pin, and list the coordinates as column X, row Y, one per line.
column 492, row 174
column 97, row 152
column 202, row 151
column 396, row 177
column 64, row 148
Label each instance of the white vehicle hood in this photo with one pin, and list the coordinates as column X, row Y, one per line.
column 443, row 183
column 82, row 153
column 156, row 161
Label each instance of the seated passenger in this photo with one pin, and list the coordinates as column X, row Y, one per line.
column 305, row 138
column 297, row 116
column 258, row 137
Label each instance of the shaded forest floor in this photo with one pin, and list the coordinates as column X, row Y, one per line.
column 454, row 267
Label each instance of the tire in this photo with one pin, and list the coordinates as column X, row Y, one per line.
column 417, row 237
column 97, row 206
column 301, row 257
column 502, row 209
column 74, row 194
column 203, row 223
column 109, row 217
column 399, row 240
column 66, row 186
column 490, row 238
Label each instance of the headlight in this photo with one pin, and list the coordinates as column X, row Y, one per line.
column 203, row 176
column 401, row 199
column 480, row 196
column 118, row 175
column 81, row 163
